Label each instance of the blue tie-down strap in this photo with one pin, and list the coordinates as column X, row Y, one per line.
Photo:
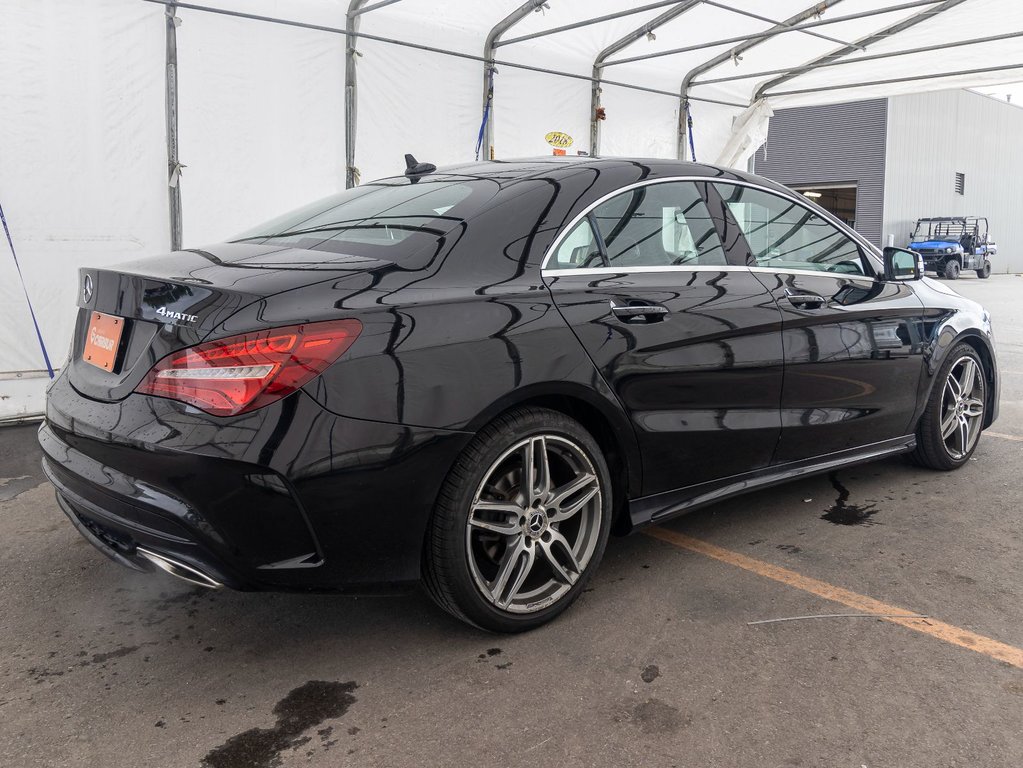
column 28, row 300
column 486, row 114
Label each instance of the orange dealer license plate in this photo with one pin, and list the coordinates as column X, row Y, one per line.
column 103, row 340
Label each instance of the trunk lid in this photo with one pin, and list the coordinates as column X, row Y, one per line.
column 175, row 301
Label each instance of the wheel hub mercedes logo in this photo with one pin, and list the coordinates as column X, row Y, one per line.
column 537, row 523
column 87, row 288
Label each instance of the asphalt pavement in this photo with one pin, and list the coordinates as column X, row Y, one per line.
column 658, row 664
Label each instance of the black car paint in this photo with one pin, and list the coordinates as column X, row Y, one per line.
column 333, row 486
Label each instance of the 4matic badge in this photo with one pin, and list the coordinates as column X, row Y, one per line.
column 171, row 315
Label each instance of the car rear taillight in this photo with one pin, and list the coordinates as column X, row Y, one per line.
column 241, row 373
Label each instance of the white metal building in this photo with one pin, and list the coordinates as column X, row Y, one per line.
column 881, row 164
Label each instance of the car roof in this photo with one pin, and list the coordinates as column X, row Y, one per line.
column 547, row 166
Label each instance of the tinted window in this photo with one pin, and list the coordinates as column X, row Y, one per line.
column 578, row 249
column 659, row 225
column 783, row 234
column 373, row 218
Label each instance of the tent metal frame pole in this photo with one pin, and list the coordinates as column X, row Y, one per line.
column 587, row 22
column 355, row 9
column 427, row 48
column 732, row 54
column 171, row 95
column 368, row 8
column 861, row 59
column 619, row 45
column 907, row 79
column 765, row 19
column 490, row 68
column 760, row 35
column 874, row 37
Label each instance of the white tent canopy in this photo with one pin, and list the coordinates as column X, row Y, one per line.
column 262, row 116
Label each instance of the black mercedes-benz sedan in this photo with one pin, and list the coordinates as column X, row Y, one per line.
column 469, row 377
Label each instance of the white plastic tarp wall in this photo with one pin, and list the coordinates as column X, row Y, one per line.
column 261, row 120
column 83, row 164
column 82, row 157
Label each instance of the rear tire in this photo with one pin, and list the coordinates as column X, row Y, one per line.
column 951, row 271
column 985, row 272
column 506, row 554
column 949, row 430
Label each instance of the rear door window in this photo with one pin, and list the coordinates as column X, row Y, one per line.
column 579, row 249
column 659, row 225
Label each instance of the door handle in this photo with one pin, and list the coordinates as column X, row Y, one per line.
column 805, row 300
column 639, row 312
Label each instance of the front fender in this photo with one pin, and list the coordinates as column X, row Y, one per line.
column 949, row 320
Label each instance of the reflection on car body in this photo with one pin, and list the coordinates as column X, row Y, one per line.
column 471, row 379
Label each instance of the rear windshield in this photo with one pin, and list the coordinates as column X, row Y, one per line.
column 372, row 219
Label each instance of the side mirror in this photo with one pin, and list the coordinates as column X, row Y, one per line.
column 902, row 264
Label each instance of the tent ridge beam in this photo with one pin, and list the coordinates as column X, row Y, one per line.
column 864, row 42
column 427, row 48
column 731, row 54
column 860, row 59
column 619, row 45
column 758, row 17
column 760, row 35
column 587, row 22
column 907, row 79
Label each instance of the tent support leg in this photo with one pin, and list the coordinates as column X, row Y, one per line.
column 489, row 48
column 351, row 91
column 171, row 95
column 620, row 45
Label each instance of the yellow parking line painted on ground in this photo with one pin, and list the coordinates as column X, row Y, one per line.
column 939, row 629
column 1002, row 436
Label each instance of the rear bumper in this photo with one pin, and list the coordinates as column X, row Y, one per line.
column 289, row 497
column 123, row 527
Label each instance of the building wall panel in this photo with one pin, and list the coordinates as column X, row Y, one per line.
column 832, row 144
column 930, row 137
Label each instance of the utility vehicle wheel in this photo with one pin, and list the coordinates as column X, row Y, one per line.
column 949, row 430
column 521, row 522
column 985, row 272
column 951, row 270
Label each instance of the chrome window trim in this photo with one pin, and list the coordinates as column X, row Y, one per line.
column 814, row 273
column 866, row 247
column 641, row 270
column 623, row 271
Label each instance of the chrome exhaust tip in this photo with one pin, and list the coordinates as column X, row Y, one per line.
column 182, row 571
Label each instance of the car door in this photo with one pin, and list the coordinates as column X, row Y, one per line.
column 853, row 343
column 687, row 339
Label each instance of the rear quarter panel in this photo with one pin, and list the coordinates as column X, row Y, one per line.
column 460, row 335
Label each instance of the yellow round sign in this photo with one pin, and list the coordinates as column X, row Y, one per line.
column 558, row 139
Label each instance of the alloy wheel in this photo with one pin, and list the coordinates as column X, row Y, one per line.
column 962, row 408
column 534, row 523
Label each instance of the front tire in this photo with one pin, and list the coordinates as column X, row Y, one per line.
column 949, row 430
column 985, row 272
column 520, row 523
column 951, row 271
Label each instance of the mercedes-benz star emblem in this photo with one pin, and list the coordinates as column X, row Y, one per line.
column 537, row 521
column 87, row 288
